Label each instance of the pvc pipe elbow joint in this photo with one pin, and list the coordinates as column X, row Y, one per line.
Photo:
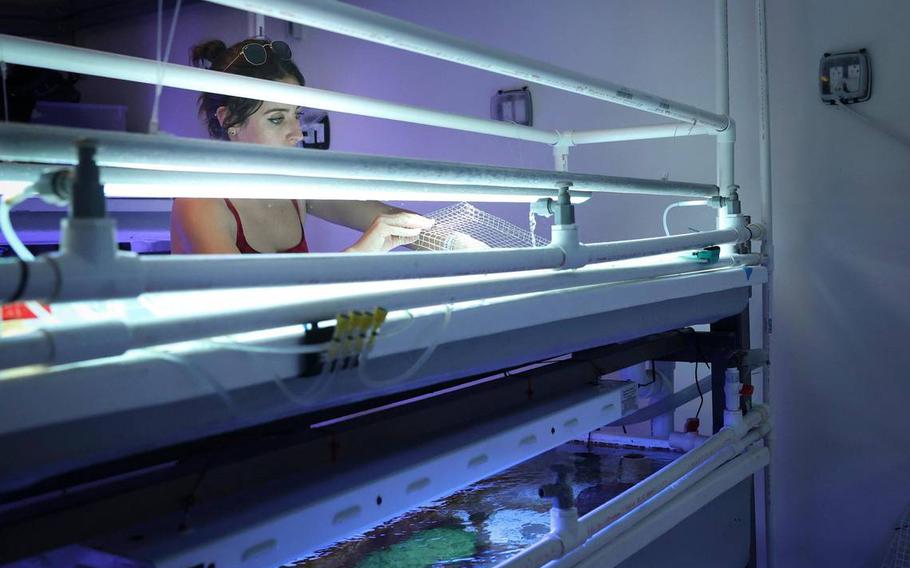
column 765, row 411
column 728, row 134
column 757, row 230
column 749, row 259
column 732, row 417
column 565, row 528
column 686, row 441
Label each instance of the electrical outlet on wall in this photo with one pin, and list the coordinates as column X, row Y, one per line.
column 845, row 78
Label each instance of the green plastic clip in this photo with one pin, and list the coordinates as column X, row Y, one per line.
column 708, row 255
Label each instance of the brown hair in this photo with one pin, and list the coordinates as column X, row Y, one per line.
column 218, row 56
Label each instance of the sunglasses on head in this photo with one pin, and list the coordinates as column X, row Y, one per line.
column 256, row 54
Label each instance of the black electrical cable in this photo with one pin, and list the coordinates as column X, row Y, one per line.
column 653, row 376
column 23, row 281
column 702, row 357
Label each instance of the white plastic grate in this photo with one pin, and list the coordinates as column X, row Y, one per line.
column 898, row 555
column 463, row 226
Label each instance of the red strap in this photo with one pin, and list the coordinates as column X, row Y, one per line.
column 245, row 248
column 242, row 245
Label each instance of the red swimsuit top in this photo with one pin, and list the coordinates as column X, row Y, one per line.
column 244, row 247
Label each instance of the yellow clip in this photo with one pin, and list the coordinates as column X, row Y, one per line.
column 342, row 326
column 379, row 316
column 363, row 323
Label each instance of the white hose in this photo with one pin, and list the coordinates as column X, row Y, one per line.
column 406, row 325
column 6, row 227
column 5, row 99
column 418, row 364
column 885, row 129
column 199, row 373
column 693, row 203
column 296, row 350
column 153, row 120
column 9, row 232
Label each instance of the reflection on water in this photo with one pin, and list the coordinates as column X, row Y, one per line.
column 495, row 518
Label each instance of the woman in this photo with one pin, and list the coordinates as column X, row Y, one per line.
column 223, row 226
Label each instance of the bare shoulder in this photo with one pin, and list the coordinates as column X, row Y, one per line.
column 202, row 225
column 212, row 207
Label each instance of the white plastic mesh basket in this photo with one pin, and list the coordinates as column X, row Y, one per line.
column 898, row 555
column 462, row 225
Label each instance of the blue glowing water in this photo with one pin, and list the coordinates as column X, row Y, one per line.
column 492, row 519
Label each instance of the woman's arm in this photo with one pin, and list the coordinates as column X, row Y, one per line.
column 202, row 226
column 384, row 226
column 357, row 215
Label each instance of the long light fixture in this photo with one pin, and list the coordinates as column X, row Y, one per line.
column 55, row 145
column 345, row 19
column 139, row 183
column 71, row 59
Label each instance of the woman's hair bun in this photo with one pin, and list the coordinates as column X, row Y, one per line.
column 207, row 51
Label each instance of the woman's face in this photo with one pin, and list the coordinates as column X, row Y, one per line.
column 274, row 124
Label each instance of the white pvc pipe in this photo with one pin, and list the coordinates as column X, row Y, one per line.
column 349, row 20
column 626, row 440
column 662, row 426
column 654, row 385
column 596, row 555
column 71, row 59
column 55, row 145
column 682, row 484
column 683, row 441
column 619, row 505
column 200, row 272
column 725, row 143
column 68, row 282
column 139, row 183
column 23, row 281
column 621, row 250
column 592, row 523
column 721, row 57
column 85, row 341
column 767, row 250
column 651, row 506
column 675, row 130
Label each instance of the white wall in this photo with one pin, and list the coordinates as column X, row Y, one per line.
column 842, row 315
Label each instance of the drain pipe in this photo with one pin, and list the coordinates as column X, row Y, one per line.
column 88, row 245
column 563, row 514
column 767, row 250
column 655, row 385
column 682, row 441
column 662, row 379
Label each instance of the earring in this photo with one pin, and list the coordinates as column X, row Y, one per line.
column 232, row 132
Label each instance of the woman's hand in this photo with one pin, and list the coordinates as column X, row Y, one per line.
column 391, row 230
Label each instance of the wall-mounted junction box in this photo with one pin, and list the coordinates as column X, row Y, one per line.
column 845, row 78
column 513, row 106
